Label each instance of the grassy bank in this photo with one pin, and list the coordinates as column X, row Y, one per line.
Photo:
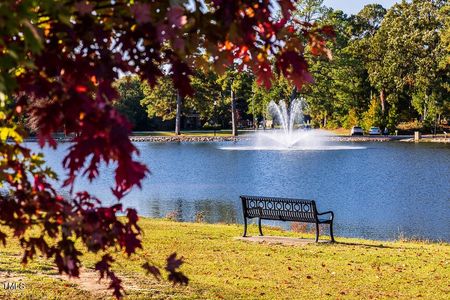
column 220, row 267
column 184, row 133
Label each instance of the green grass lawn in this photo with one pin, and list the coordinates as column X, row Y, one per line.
column 220, row 267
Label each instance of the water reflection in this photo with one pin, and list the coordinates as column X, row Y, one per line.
column 213, row 211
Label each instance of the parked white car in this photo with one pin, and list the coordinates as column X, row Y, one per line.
column 356, row 130
column 374, row 131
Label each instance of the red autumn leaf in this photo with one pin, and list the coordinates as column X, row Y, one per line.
column 328, row 30
column 104, row 265
column 81, row 89
column 264, row 74
column 295, row 68
column 141, row 11
column 131, row 242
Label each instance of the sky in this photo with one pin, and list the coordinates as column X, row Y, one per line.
column 354, row 6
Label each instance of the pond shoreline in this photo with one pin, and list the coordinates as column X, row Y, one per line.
column 202, row 139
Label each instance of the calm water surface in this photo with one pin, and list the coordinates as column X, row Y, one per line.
column 384, row 191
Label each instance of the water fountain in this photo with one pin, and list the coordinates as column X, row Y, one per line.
column 288, row 135
column 290, row 132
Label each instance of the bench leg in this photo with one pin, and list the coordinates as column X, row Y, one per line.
column 245, row 227
column 317, row 232
column 331, row 232
column 260, row 229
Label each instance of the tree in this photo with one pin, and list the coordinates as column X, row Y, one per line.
column 366, row 52
column 366, row 22
column 444, row 63
column 164, row 101
column 69, row 53
column 373, row 116
column 428, row 94
column 178, row 113
column 340, row 86
column 310, row 10
column 235, row 86
column 160, row 100
column 404, row 57
column 206, row 93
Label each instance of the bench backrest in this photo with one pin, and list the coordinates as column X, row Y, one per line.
column 286, row 209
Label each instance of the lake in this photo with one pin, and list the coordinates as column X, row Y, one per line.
column 376, row 190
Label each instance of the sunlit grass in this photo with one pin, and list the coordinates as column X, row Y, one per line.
column 219, row 266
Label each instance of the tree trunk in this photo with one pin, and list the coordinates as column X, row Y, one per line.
column 294, row 94
column 425, row 108
column 178, row 114
column 233, row 114
column 382, row 101
column 425, row 112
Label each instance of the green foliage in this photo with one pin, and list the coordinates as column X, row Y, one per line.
column 241, row 84
column 351, row 120
column 341, row 84
column 310, row 10
column 374, row 116
column 390, row 56
column 206, row 93
column 131, row 94
column 404, row 56
column 161, row 99
column 401, row 55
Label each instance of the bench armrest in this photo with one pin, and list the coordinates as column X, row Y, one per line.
column 327, row 212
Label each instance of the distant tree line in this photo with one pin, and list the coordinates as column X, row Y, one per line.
column 388, row 67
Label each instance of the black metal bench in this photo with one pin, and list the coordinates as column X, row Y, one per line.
column 284, row 209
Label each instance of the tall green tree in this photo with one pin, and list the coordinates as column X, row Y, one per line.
column 340, row 86
column 404, row 57
column 206, row 100
column 236, row 90
column 161, row 99
column 129, row 101
column 444, row 63
column 366, row 53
